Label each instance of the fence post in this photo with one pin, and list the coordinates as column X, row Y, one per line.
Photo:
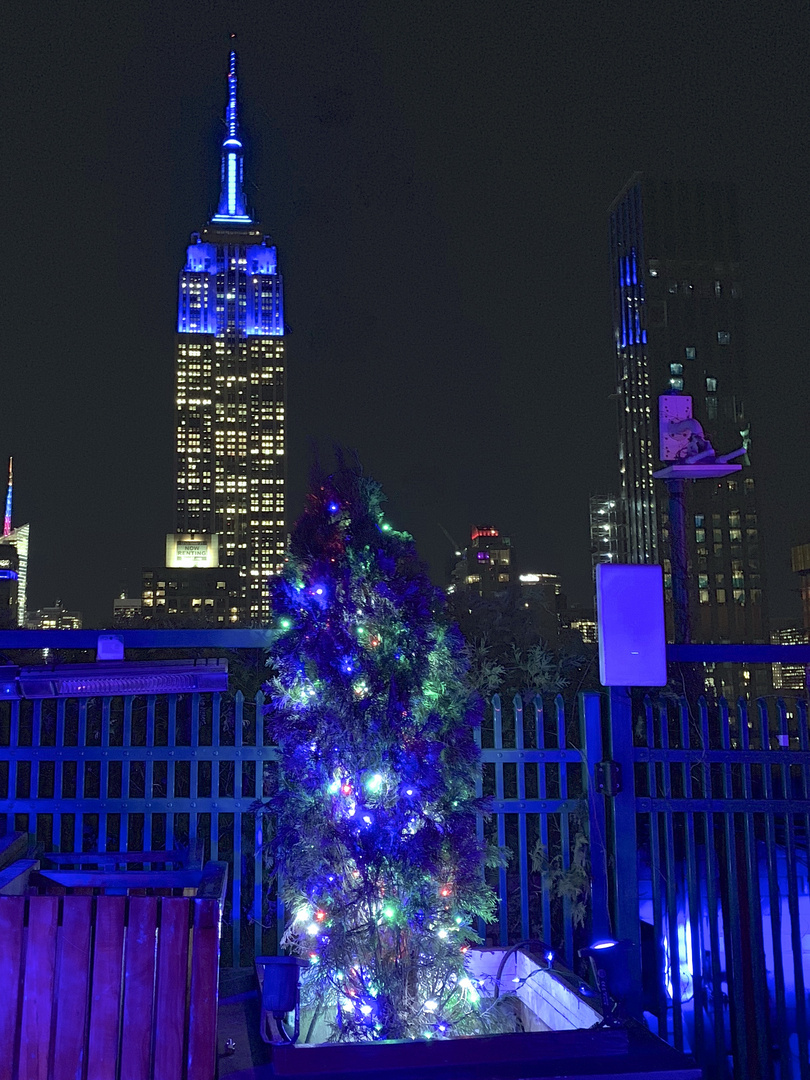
column 624, row 840
column 590, row 713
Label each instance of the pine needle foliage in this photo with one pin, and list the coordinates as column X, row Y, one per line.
column 376, row 841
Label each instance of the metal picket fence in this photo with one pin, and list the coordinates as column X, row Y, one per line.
column 691, row 824
column 709, row 879
column 141, row 773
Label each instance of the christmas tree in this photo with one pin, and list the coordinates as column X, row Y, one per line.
column 381, row 868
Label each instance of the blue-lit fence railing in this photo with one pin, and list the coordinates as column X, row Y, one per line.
column 709, row 833
column 538, row 760
column 691, row 823
column 150, row 772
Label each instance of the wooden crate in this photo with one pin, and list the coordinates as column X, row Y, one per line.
column 100, row 986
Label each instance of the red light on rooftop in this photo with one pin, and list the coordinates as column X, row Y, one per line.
column 483, row 530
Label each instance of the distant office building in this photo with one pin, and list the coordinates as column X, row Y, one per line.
column 192, row 595
column 800, row 564
column 9, row 567
column 678, row 327
column 542, row 596
column 127, row 608
column 790, row 677
column 581, row 622
column 17, row 539
column 605, row 512
column 486, row 567
column 230, row 388
column 54, row 618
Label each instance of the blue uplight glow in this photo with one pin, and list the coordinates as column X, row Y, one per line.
column 207, row 287
column 9, row 575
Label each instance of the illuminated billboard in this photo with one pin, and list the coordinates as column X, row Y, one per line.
column 192, row 549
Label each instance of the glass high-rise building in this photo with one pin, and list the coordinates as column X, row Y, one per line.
column 231, row 386
column 679, row 326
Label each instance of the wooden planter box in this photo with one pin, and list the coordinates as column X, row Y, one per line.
column 607, row 1053
column 612, row 1054
column 96, row 983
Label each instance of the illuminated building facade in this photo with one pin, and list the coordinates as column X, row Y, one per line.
column 485, row 567
column 9, row 574
column 678, row 323
column 191, row 595
column 14, row 594
column 605, row 524
column 231, row 387
column 54, row 618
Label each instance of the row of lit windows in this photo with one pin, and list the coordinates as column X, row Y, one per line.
column 738, row 596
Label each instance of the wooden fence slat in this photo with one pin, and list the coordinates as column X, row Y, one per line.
column 73, row 983
column 105, row 1000
column 139, row 986
column 12, row 915
column 171, row 993
column 40, row 968
column 202, row 1029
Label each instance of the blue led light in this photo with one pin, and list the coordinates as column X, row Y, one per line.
column 9, row 575
column 232, row 208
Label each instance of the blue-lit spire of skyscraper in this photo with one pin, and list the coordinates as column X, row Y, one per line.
column 232, row 201
column 231, row 387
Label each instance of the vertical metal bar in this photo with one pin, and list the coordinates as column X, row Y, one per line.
column 693, row 893
column 171, row 744
column 590, row 721
column 149, row 772
column 719, row 1021
column 793, row 897
column 81, row 778
column 540, row 739
column 194, row 766
column 214, row 802
column 624, row 890
column 14, row 752
column 58, row 773
column 260, row 885
column 503, row 913
column 782, row 1032
column 522, row 838
column 236, row 877
column 804, row 747
column 670, row 885
column 756, row 948
column 736, row 974
column 104, row 773
column 36, row 741
column 126, row 765
column 565, row 832
column 662, row 962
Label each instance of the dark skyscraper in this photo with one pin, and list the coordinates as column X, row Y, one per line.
column 678, row 321
column 230, row 386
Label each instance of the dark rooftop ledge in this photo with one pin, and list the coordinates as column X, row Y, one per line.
column 618, row 1053
column 138, row 639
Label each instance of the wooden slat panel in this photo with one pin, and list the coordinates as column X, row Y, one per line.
column 124, row 879
column 202, row 1034
column 170, row 998
column 139, row 985
column 12, row 915
column 105, row 1000
column 40, row 967
column 73, row 984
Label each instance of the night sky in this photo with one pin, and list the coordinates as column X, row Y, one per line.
column 436, row 177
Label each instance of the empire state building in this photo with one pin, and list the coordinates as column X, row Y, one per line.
column 231, row 388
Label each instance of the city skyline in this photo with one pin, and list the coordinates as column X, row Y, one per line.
column 438, row 190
